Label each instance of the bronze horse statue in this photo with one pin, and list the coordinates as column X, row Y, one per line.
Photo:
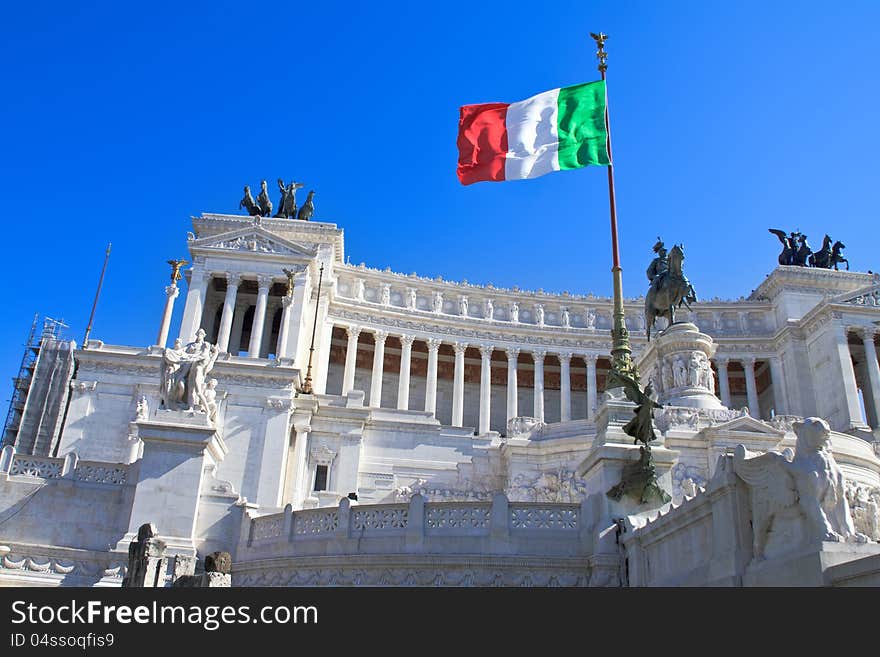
column 672, row 290
column 836, row 258
column 829, row 256
column 248, row 203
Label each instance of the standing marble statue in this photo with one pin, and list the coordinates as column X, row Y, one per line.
column 590, row 318
column 679, row 372
column 490, row 309
column 463, row 306
column 184, row 369
column 566, row 318
column 695, row 369
column 514, row 312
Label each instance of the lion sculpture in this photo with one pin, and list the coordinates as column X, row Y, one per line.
column 798, row 498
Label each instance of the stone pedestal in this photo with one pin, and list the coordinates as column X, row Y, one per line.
column 677, row 363
column 808, row 566
column 178, row 446
column 602, row 469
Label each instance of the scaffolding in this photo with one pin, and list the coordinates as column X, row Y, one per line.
column 21, row 384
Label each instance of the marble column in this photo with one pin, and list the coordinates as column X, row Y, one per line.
column 850, row 385
column 268, row 323
column 751, row 387
column 723, row 379
column 195, row 304
column 873, row 368
column 232, row 281
column 263, row 285
column 458, row 385
column 241, row 308
column 431, row 376
column 406, row 342
column 777, row 378
column 486, row 388
column 564, row 387
column 512, row 392
column 171, row 292
column 378, row 369
column 591, row 359
column 538, row 357
column 284, row 331
column 350, row 358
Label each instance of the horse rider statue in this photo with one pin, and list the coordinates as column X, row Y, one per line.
column 659, row 266
column 669, row 288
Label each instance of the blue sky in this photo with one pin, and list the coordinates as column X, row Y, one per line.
column 120, row 121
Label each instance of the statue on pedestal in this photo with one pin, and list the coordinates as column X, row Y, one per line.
column 183, row 385
column 669, row 289
column 639, row 480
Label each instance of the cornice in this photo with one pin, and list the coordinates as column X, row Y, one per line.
column 826, row 282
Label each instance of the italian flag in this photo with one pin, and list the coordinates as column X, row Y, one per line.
column 553, row 131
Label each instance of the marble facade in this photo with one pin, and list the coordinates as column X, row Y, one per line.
column 480, row 406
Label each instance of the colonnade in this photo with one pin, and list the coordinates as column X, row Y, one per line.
column 869, row 372
column 780, row 397
column 232, row 313
column 458, row 380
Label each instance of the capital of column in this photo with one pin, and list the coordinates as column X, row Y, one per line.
column 722, row 360
column 459, row 347
column 748, row 362
column 564, row 356
column 867, row 333
column 198, row 275
column 433, row 344
column 486, row 351
column 407, row 340
column 380, row 336
column 512, row 353
column 171, row 291
column 539, row 355
column 591, row 359
column 233, row 278
column 353, row 332
column 264, row 282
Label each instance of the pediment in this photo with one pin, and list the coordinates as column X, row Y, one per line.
column 747, row 424
column 254, row 240
column 866, row 296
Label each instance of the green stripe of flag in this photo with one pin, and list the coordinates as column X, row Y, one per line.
column 583, row 139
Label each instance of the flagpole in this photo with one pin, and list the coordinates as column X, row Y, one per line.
column 621, row 353
column 85, row 342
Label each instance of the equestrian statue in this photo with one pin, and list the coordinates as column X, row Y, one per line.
column 669, row 288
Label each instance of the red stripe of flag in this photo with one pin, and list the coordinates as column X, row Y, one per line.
column 482, row 142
